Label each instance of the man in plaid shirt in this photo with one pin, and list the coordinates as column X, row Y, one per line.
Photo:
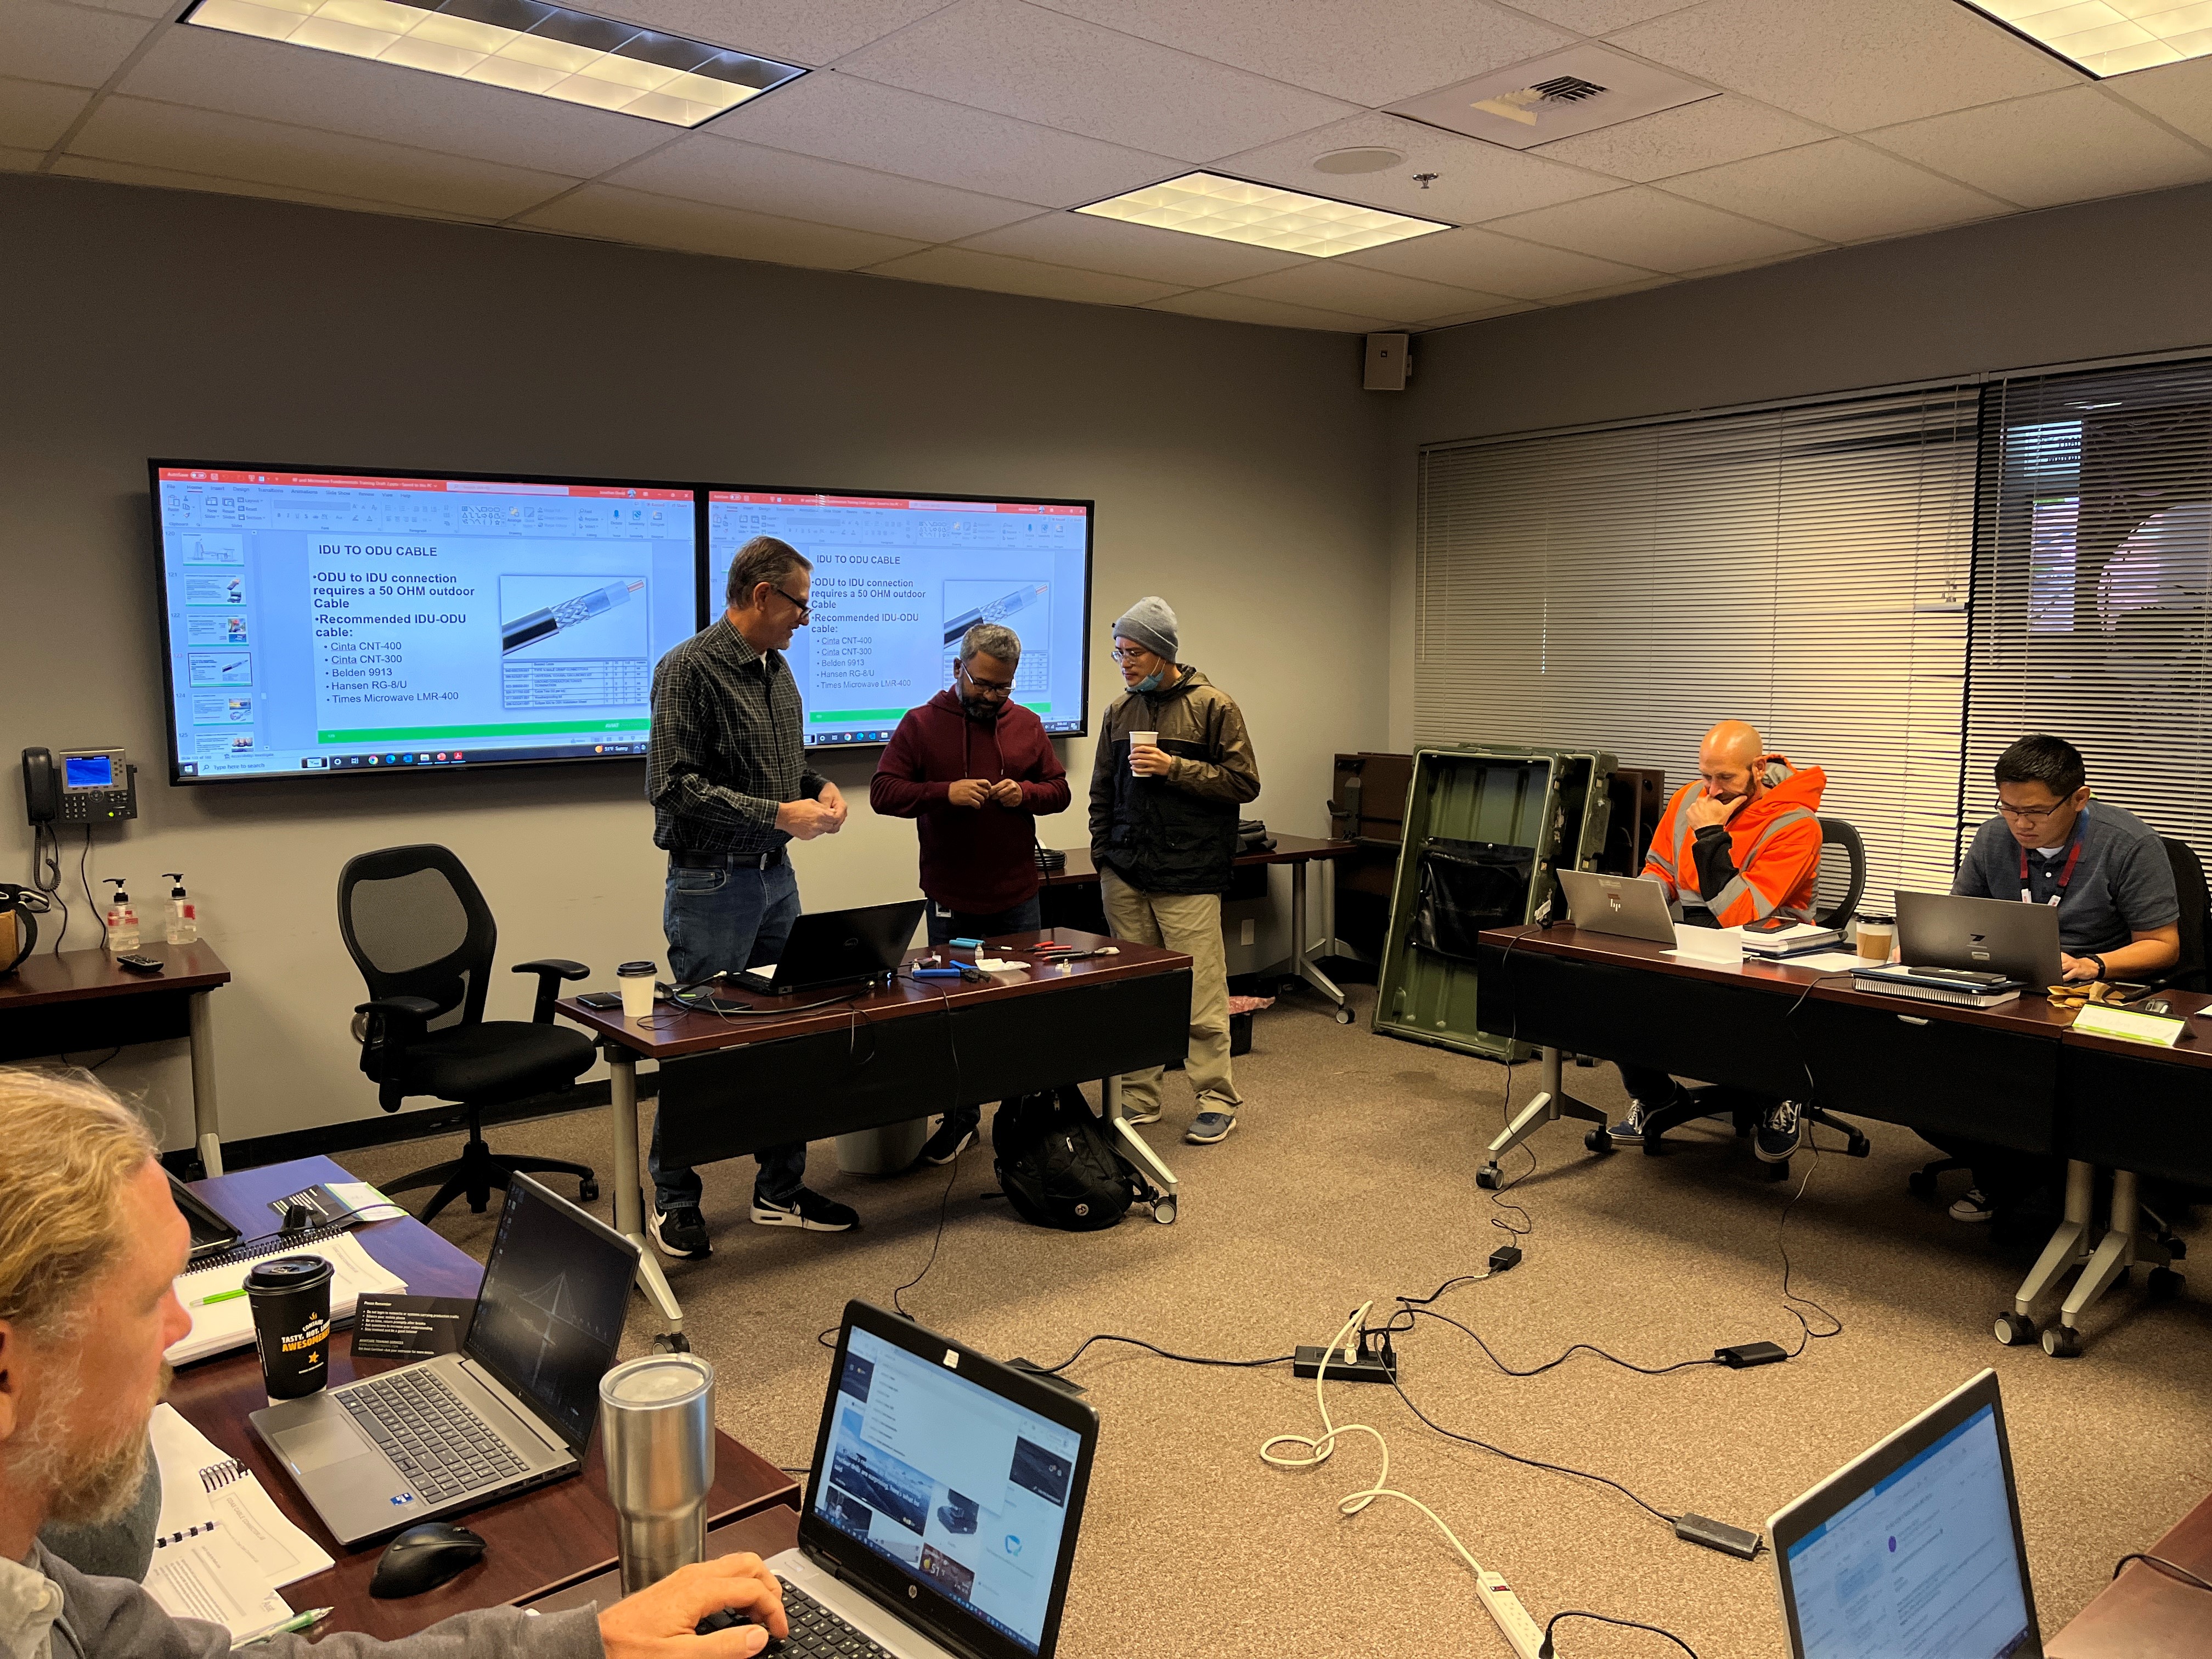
column 728, row 776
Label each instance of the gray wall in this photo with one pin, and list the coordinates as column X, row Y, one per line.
column 2104, row 279
column 1237, row 471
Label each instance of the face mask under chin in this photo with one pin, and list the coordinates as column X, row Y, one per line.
column 1149, row 684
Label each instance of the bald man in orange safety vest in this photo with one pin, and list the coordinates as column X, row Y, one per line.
column 1741, row 844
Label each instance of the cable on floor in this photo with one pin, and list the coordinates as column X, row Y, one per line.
column 1180, row 1358
column 1546, row 1650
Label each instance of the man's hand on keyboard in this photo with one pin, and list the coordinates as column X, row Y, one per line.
column 659, row 1623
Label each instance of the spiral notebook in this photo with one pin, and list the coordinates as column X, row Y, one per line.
column 222, row 1319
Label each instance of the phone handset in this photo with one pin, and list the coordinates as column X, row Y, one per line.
column 41, row 787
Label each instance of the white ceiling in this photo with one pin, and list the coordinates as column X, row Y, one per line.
column 944, row 142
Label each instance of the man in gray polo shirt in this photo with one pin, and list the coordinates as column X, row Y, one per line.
column 2107, row 873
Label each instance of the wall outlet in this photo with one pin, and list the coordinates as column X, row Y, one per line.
column 1244, row 931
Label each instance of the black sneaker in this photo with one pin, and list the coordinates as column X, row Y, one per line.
column 1975, row 1206
column 807, row 1210
column 680, row 1233
column 951, row 1140
column 1781, row 1131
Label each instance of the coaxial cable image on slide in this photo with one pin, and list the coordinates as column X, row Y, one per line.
column 572, row 613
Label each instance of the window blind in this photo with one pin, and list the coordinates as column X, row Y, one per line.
column 1803, row 568
column 2093, row 587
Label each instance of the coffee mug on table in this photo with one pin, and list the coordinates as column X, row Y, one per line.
column 290, row 1296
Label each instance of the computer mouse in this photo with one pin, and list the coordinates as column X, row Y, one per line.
column 422, row 1558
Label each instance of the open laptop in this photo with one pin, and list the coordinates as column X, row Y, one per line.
column 514, row 1409
column 944, row 1499
column 1988, row 935
column 1633, row 907
column 836, row 947
column 1913, row 1548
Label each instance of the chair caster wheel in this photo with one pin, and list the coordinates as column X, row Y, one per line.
column 1598, row 1140
column 1344, row 1017
column 1164, row 1210
column 1920, row 1184
column 2015, row 1329
column 673, row 1342
column 2163, row 1285
column 587, row 1191
column 2061, row 1342
column 1487, row 1179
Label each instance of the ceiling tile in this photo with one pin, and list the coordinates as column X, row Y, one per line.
column 1243, row 308
column 2063, row 147
column 263, row 152
column 1510, row 308
column 1475, row 181
column 1641, row 227
column 705, row 169
column 842, row 118
column 164, row 10
column 127, row 172
column 1059, row 71
column 1375, row 53
column 1484, row 260
column 1600, row 16
column 1840, row 190
column 1127, row 249
column 630, row 215
column 1328, row 286
column 960, row 267
column 1611, row 290
column 34, row 115
column 1706, row 134
column 1851, row 63
column 71, row 43
column 2180, row 95
column 807, row 32
column 20, row 161
column 271, row 80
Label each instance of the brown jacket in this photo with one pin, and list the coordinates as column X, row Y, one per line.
column 1175, row 834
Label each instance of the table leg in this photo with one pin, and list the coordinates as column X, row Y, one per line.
column 2115, row 1254
column 1553, row 1102
column 630, row 1206
column 207, row 1129
column 1302, row 963
column 1109, row 1094
column 2068, row 1250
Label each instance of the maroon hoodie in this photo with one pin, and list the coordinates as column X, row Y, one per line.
column 975, row 861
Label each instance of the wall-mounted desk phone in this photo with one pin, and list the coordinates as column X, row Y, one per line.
column 79, row 786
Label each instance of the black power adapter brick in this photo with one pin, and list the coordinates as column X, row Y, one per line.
column 1717, row 1535
column 1744, row 1355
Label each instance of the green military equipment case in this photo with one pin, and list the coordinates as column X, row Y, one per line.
column 1485, row 827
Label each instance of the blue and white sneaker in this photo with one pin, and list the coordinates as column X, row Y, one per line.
column 1209, row 1127
column 1628, row 1131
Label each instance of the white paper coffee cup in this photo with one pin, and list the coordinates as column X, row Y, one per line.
column 1136, row 738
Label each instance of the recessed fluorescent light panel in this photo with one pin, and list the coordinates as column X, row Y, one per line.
column 1260, row 215
column 522, row 44
column 2110, row 37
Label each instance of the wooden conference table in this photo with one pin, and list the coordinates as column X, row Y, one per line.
column 2017, row 1075
column 553, row 1535
column 80, row 1000
column 731, row 1083
column 1059, row 886
column 2144, row 1614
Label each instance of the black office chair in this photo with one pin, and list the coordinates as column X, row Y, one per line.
column 1842, row 878
column 424, row 938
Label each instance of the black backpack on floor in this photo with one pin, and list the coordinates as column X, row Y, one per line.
column 1058, row 1165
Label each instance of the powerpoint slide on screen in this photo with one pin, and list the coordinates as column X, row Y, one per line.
column 334, row 620
column 897, row 580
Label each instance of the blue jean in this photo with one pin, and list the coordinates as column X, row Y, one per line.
column 945, row 926
column 718, row 920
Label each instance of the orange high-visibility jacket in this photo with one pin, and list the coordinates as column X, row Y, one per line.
column 1774, row 843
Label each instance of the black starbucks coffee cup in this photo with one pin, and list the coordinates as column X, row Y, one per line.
column 291, row 1300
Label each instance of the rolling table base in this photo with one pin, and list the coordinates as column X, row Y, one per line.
column 1109, row 1096
column 2101, row 1268
column 1302, row 963
column 1552, row 1103
column 206, row 1130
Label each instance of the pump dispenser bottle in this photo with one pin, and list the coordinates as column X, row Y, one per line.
column 184, row 918
column 121, row 919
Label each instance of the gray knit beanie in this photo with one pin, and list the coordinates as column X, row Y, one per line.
column 1152, row 624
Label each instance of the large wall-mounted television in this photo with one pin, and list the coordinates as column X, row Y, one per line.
column 898, row 578
column 340, row 620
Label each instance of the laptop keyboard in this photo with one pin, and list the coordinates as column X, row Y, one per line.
column 816, row 1632
column 442, row 1446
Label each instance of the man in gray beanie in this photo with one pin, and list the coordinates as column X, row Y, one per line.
column 1163, row 833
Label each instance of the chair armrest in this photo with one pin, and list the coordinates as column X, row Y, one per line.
column 388, row 1026
column 550, row 971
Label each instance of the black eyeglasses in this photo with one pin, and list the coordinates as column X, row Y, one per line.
column 804, row 609
column 985, row 685
column 2029, row 814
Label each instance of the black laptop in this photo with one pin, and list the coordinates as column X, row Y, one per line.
column 838, row 947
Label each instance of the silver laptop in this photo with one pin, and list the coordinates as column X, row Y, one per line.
column 1987, row 935
column 1914, row 1546
column 944, row 1499
column 1633, row 907
column 513, row 1409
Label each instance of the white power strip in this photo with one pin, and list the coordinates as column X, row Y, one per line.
column 1520, row 1631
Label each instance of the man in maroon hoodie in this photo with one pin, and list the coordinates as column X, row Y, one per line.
column 974, row 769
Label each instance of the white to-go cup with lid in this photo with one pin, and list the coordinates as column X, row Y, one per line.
column 1140, row 740
column 635, row 979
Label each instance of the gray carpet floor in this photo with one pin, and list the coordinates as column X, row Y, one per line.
column 1351, row 1177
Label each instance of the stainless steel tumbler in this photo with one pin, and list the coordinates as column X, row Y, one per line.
column 656, row 1428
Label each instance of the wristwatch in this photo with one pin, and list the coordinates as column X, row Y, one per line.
column 2099, row 961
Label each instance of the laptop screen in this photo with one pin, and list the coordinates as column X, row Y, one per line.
column 1922, row 1565
column 959, row 1488
column 550, row 1312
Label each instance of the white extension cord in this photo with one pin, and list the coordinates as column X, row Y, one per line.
column 1520, row 1631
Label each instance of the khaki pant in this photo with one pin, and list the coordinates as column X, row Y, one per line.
column 1190, row 923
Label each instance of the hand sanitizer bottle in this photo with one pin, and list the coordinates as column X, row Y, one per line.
column 121, row 919
column 184, row 923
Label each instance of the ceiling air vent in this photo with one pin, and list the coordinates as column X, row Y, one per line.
column 1577, row 90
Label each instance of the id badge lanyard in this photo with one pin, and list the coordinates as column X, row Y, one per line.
column 2065, row 875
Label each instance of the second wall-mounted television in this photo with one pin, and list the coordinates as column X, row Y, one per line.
column 334, row 620
column 898, row 579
